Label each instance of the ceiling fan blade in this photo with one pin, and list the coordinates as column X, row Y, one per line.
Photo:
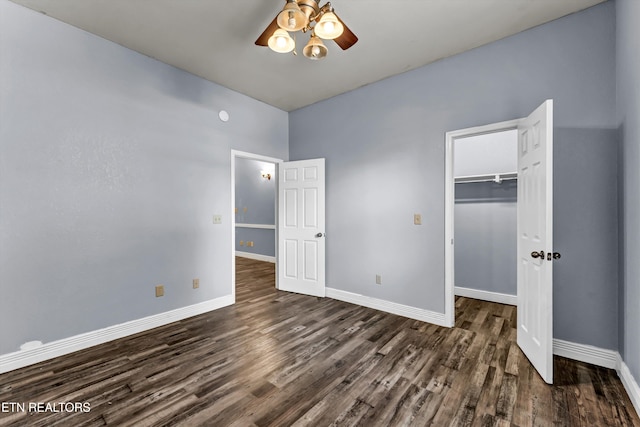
column 347, row 38
column 263, row 40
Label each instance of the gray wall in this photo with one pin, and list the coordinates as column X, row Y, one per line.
column 628, row 70
column 111, row 167
column 256, row 204
column 385, row 159
column 486, row 236
column 255, row 195
column 585, row 226
column 495, row 152
column 263, row 241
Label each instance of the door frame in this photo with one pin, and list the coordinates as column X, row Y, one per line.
column 235, row 154
column 449, row 203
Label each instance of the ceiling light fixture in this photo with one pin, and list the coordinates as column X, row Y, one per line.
column 320, row 22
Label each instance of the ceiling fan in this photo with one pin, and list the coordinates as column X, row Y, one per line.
column 306, row 16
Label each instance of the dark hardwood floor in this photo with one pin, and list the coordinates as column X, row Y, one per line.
column 281, row 359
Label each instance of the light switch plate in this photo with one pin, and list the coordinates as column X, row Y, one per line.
column 417, row 219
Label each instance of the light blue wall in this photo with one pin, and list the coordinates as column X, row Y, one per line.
column 385, row 156
column 256, row 204
column 111, row 167
column 628, row 70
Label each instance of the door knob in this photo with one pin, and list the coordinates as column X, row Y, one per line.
column 319, row 234
column 556, row 255
column 535, row 254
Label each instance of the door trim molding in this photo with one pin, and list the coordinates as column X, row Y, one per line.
column 235, row 154
column 449, row 200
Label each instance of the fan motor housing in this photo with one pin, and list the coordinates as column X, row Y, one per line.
column 309, row 7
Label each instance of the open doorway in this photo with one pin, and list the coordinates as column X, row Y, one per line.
column 254, row 226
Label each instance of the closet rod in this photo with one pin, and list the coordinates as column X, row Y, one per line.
column 492, row 177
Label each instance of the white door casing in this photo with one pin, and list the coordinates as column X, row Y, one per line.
column 301, row 225
column 535, row 236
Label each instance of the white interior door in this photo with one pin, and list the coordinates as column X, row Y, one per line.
column 301, row 222
column 535, row 239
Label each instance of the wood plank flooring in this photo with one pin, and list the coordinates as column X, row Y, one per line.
column 282, row 359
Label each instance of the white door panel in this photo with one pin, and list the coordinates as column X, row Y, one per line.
column 301, row 241
column 535, row 239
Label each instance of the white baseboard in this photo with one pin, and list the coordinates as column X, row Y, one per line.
column 22, row 358
column 630, row 384
column 486, row 295
column 586, row 353
column 258, row 257
column 388, row 306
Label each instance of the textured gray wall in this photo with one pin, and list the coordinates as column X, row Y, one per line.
column 258, row 196
column 385, row 159
column 111, row 167
column 628, row 70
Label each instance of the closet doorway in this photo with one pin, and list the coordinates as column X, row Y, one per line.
column 485, row 227
column 534, row 233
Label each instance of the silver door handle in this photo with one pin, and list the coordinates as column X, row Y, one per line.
column 320, row 235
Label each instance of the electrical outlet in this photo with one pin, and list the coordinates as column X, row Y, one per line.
column 217, row 219
column 241, row 242
column 378, row 279
column 417, row 219
column 196, row 283
column 159, row 290
column 250, row 244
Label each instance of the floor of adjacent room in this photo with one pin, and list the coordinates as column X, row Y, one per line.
column 281, row 359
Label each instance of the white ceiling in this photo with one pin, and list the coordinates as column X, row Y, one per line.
column 214, row 39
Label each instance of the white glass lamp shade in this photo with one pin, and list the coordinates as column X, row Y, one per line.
column 292, row 18
column 329, row 27
column 281, row 41
column 315, row 49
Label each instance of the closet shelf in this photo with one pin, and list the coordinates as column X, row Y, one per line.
column 491, row 177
